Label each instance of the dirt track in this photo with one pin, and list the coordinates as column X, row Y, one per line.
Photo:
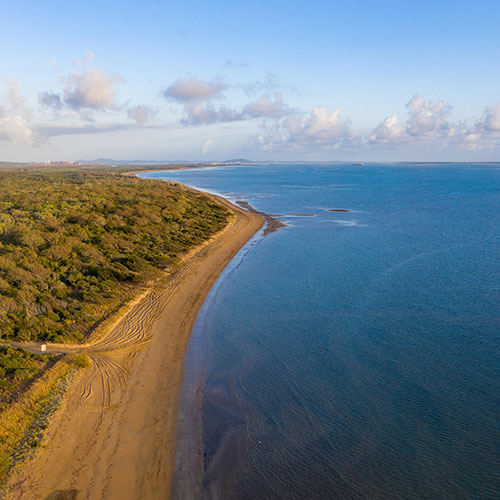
column 114, row 437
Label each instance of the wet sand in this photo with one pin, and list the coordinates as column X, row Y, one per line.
column 272, row 223
column 114, row 436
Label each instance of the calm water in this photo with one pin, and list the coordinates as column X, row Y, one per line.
column 356, row 355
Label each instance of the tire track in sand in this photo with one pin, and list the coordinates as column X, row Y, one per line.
column 106, row 379
column 115, row 435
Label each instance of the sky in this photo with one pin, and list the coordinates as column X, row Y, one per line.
column 364, row 80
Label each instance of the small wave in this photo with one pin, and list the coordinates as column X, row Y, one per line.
column 247, row 194
column 284, row 216
column 335, row 187
column 345, row 223
column 292, row 186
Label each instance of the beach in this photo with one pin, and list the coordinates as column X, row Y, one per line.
column 114, row 435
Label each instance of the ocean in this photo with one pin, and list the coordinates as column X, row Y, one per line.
column 353, row 355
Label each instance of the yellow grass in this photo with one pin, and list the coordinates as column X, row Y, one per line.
column 23, row 422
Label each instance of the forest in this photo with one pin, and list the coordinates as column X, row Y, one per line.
column 75, row 244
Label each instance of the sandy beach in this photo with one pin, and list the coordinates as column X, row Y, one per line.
column 114, row 436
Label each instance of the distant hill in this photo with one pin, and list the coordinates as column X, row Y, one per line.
column 238, row 160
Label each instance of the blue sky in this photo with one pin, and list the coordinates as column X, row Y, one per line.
column 192, row 80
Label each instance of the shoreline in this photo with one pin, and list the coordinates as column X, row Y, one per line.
column 187, row 166
column 188, row 478
column 114, row 435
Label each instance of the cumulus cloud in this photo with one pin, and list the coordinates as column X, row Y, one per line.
column 491, row 119
column 197, row 98
column 390, row 129
column 485, row 133
column 426, row 118
column 321, row 126
column 427, row 125
column 91, row 89
column 193, row 90
column 15, row 116
column 320, row 129
column 141, row 113
column 205, row 147
column 16, row 130
column 266, row 108
column 426, row 122
column 13, row 97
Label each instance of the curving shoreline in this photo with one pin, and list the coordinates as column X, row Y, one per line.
column 114, row 436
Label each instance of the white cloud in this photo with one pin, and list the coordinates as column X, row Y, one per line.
column 320, row 129
column 390, row 129
column 15, row 117
column 205, row 147
column 16, row 130
column 321, row 126
column 14, row 100
column 427, row 128
column 91, row 89
column 193, row 90
column 207, row 114
column 491, row 119
column 266, row 108
column 427, row 124
column 426, row 118
column 142, row 114
column 197, row 95
column 86, row 91
column 484, row 134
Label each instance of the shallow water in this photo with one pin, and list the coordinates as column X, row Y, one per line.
column 355, row 355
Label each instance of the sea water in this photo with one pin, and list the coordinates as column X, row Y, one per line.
column 355, row 355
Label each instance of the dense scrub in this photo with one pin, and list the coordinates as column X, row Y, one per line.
column 74, row 244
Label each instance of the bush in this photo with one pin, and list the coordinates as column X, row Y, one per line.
column 81, row 360
column 74, row 240
column 17, row 366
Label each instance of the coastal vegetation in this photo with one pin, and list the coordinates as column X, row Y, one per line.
column 74, row 245
column 17, row 368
